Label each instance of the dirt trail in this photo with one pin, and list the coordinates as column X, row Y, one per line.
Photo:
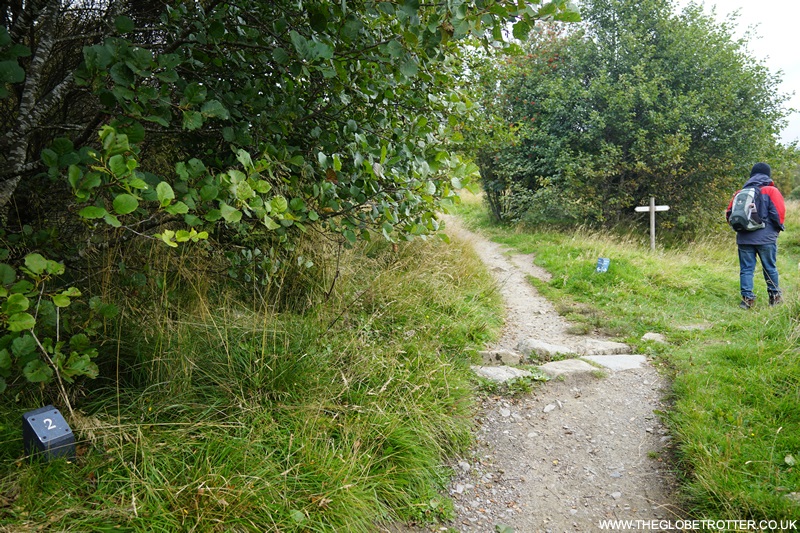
column 578, row 450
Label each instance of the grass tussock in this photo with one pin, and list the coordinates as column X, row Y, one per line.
column 332, row 411
column 735, row 374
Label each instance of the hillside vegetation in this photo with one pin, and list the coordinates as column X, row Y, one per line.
column 330, row 418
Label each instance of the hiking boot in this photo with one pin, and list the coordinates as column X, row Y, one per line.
column 747, row 303
column 775, row 298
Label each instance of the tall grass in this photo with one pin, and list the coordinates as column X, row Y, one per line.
column 334, row 416
column 735, row 410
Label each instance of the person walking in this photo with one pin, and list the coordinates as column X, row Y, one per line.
column 761, row 243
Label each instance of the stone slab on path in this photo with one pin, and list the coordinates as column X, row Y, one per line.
column 568, row 367
column 583, row 366
column 602, row 347
column 500, row 374
column 501, row 357
column 535, row 348
column 618, row 362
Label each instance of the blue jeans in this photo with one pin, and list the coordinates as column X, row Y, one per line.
column 767, row 253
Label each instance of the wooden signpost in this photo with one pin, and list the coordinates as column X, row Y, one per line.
column 652, row 208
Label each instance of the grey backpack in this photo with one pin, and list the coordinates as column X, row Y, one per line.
column 745, row 214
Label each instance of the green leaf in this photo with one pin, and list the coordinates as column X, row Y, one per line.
column 3, row 384
column 167, row 237
column 301, row 45
column 19, row 50
column 125, row 203
column 165, row 193
column 36, row 263
column 230, row 213
column 160, row 120
column 271, row 224
column 74, row 175
column 192, row 220
column 61, row 300
column 138, row 183
column 178, row 208
column 213, row 215
column 395, row 48
column 124, row 24
column 11, row 72
column 23, row 345
column 215, row 109
column 5, row 359
column 72, row 291
column 112, row 220
column 23, row 286
column 192, row 120
column 195, row 93
column 244, row 193
column 322, row 51
column 21, row 322
column 122, row 75
column 547, row 9
column 80, row 365
column 114, row 142
column 16, row 303
column 7, row 274
column 209, row 192
column 568, row 16
column 261, row 186
column 521, row 30
column 409, row 68
column 279, row 204
column 410, row 7
column 37, row 371
column 118, row 165
column 350, row 236
column 351, row 29
column 168, row 76
column 91, row 212
column 49, row 157
column 243, row 156
column 280, row 56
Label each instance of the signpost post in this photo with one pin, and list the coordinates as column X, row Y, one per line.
column 652, row 208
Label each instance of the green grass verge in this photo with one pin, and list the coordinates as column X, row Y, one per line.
column 333, row 419
column 735, row 374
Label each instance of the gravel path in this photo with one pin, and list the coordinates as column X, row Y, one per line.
column 580, row 449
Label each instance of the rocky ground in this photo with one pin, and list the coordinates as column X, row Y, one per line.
column 584, row 447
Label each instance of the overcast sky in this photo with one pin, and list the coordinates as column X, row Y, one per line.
column 775, row 41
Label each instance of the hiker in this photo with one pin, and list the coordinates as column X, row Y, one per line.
column 761, row 242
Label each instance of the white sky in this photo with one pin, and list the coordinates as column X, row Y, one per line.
column 774, row 25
